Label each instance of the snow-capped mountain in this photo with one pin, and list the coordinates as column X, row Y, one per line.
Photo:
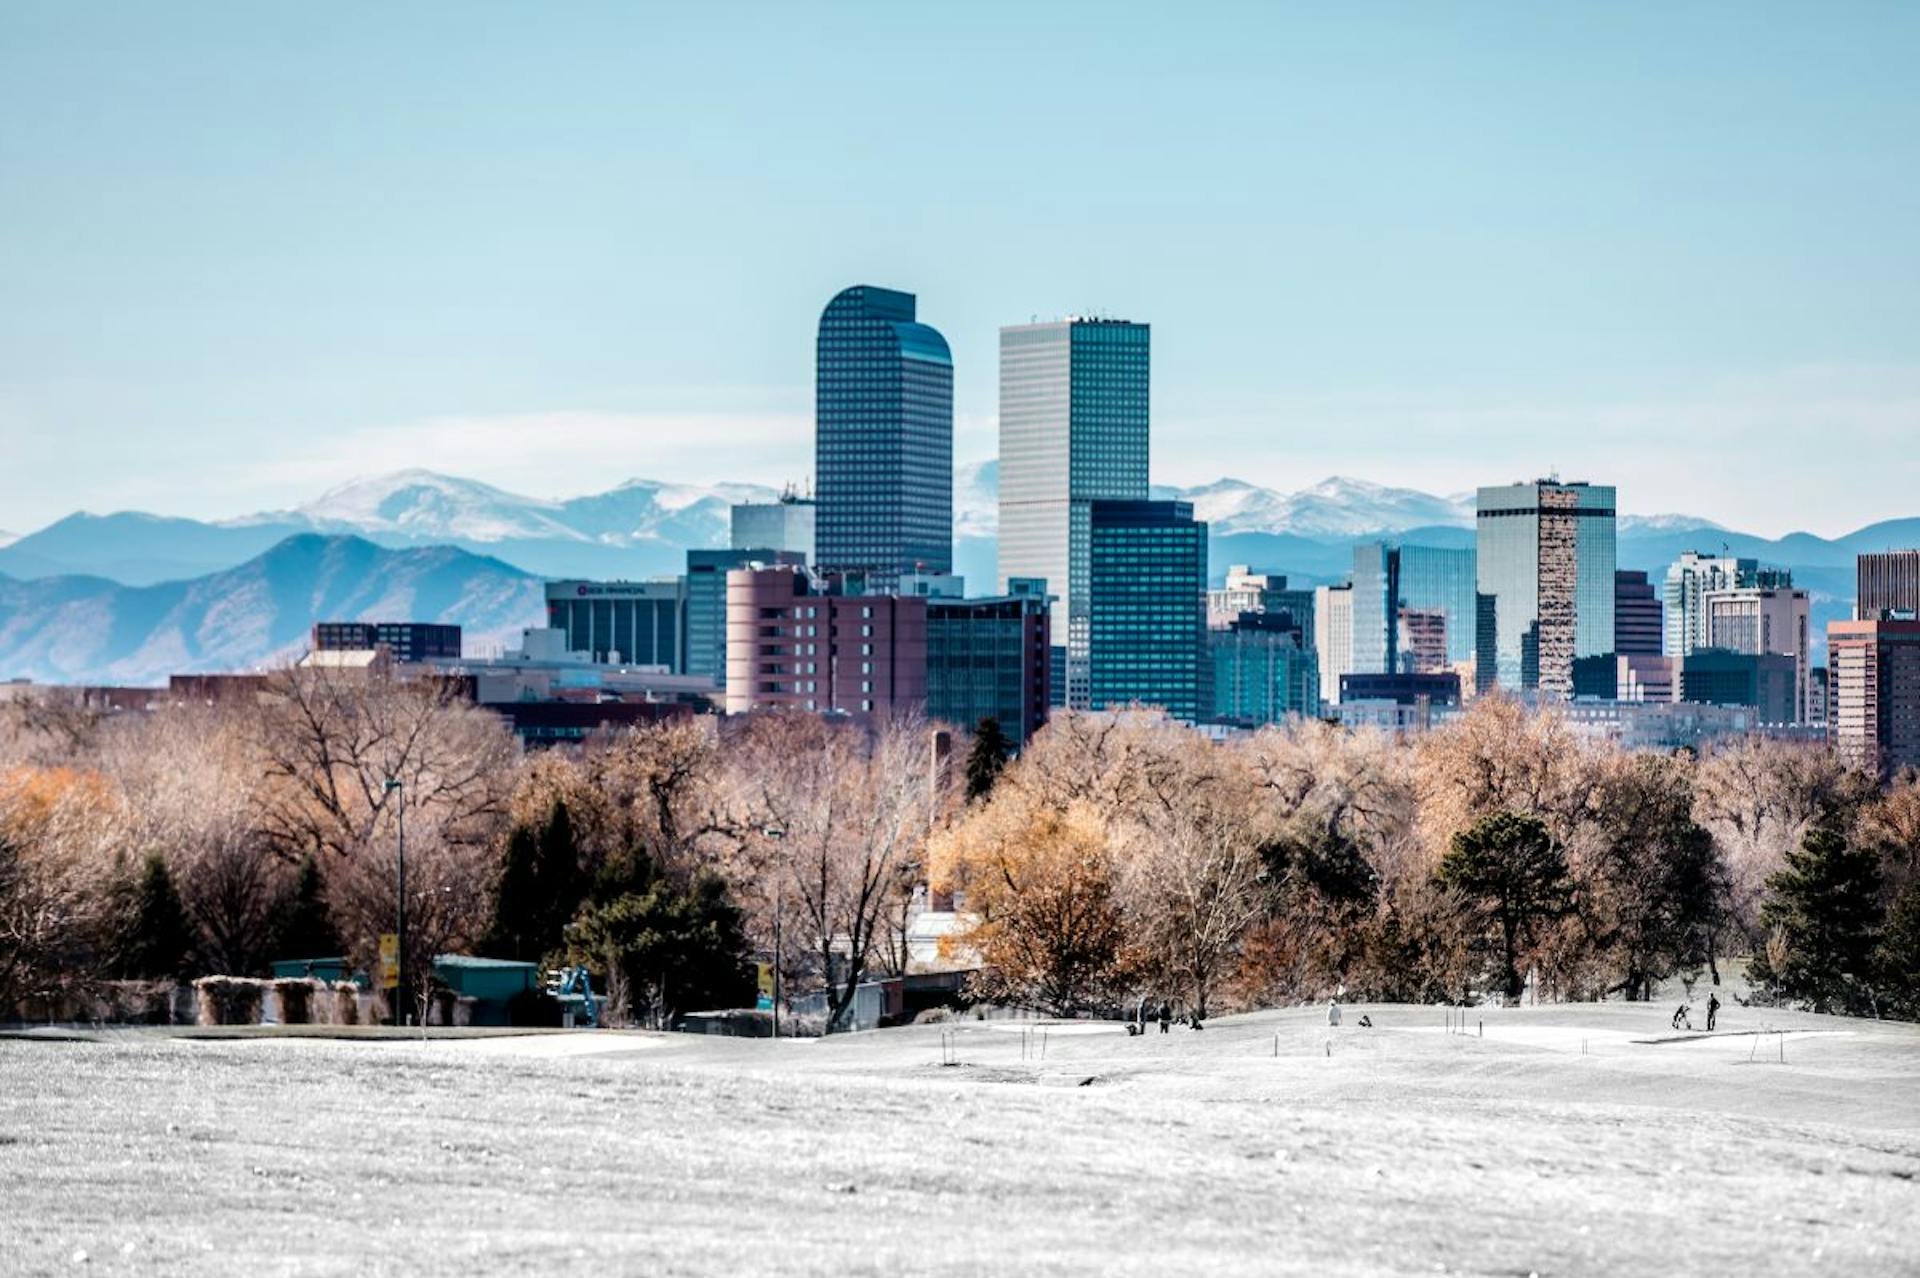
column 1635, row 525
column 7, row 538
column 1333, row 508
column 424, row 506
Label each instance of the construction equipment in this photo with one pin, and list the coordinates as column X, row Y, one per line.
column 571, row 988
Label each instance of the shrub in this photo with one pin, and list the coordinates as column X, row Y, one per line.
column 346, row 1003
column 296, row 998
column 937, row 1016
column 230, row 1000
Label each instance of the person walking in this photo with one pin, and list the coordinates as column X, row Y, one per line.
column 1713, row 1011
column 1333, row 1011
column 1166, row 1017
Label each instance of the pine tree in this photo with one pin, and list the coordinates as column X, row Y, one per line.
column 678, row 951
column 302, row 924
column 157, row 939
column 991, row 750
column 1899, row 957
column 1511, row 863
column 1825, row 909
column 538, row 890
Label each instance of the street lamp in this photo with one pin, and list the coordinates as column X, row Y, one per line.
column 393, row 786
column 775, row 833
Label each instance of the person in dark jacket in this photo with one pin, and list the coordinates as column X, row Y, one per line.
column 1166, row 1017
column 1713, row 1011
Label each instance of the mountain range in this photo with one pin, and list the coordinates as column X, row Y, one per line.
column 132, row 596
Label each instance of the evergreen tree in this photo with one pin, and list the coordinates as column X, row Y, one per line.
column 678, row 951
column 157, row 939
column 302, row 924
column 538, row 890
column 1511, row 864
column 1899, row 957
column 991, row 750
column 1824, row 907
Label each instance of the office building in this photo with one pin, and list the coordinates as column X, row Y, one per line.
column 1695, row 575
column 990, row 658
column 1430, row 579
column 1873, row 675
column 786, row 524
column 809, row 641
column 1262, row 672
column 1073, row 431
column 1546, row 555
column 1763, row 620
column 883, row 438
column 1765, row 682
column 1248, row 591
column 1333, row 637
column 408, row 641
column 1639, row 677
column 1887, row 585
column 1638, row 617
column 706, row 639
column 1442, row 689
column 632, row 623
column 1147, row 624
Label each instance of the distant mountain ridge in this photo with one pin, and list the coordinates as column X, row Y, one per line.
column 90, row 630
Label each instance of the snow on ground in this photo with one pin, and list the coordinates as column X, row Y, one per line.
column 1263, row 1144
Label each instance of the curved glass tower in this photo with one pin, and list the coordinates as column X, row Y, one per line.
column 883, row 438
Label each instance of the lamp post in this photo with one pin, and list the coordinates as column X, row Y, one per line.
column 394, row 787
column 775, row 833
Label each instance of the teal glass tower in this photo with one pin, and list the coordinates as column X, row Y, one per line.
column 1147, row 615
column 1546, row 558
column 883, row 439
column 1073, row 431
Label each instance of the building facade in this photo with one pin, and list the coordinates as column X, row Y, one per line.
column 1694, row 576
column 1388, row 578
column 1147, row 623
column 1421, row 638
column 795, row 639
column 1873, row 676
column 1886, row 585
column 1639, row 628
column 786, row 524
column 1546, row 556
column 883, row 438
column 635, row 623
column 410, row 641
column 1262, row 673
column 1073, row 431
column 1764, row 682
column 1764, row 620
column 991, row 658
column 706, row 591
column 1333, row 637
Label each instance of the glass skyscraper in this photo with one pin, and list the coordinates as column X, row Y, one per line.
column 1147, row 620
column 883, row 438
column 1546, row 556
column 1427, row 579
column 1073, row 431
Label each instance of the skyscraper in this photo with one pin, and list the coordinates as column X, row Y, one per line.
column 1333, row 637
column 786, row 524
column 1692, row 577
column 1388, row 578
column 1546, row 555
column 1147, row 619
column 1073, row 431
column 1874, row 693
column 883, row 438
column 1636, row 615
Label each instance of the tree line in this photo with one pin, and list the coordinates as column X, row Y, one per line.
column 1118, row 857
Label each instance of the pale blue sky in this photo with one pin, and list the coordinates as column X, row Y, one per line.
column 249, row 250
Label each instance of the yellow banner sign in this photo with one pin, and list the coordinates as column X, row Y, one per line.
column 389, row 961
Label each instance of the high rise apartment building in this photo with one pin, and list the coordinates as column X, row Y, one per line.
column 1546, row 556
column 1073, row 431
column 883, row 438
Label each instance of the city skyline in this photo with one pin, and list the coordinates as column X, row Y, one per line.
column 247, row 261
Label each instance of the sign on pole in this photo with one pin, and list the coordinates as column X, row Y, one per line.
column 765, row 1001
column 389, row 961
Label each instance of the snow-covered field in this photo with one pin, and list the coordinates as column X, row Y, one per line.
column 1567, row 1140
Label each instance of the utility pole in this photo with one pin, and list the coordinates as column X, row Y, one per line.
column 394, row 787
column 775, row 833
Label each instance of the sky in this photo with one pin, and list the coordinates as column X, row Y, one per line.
column 251, row 251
